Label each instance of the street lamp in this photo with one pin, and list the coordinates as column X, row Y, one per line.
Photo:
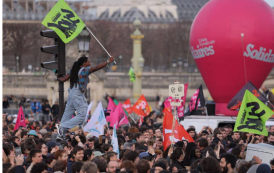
column 17, row 64
column 180, row 63
column 120, row 58
column 83, row 41
column 137, row 59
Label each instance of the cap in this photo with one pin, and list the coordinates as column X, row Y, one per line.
column 97, row 153
column 32, row 132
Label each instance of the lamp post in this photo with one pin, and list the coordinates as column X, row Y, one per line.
column 137, row 60
column 120, row 58
column 174, row 65
column 180, row 63
column 83, row 41
column 17, row 64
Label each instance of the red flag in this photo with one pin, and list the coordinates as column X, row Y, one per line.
column 179, row 132
column 127, row 106
column 119, row 117
column 111, row 107
column 20, row 119
column 141, row 107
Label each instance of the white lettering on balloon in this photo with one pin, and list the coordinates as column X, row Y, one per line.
column 205, row 48
column 261, row 54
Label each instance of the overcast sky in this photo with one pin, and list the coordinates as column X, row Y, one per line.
column 270, row 2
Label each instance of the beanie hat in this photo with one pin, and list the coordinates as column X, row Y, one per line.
column 160, row 164
column 263, row 168
column 51, row 144
column 33, row 133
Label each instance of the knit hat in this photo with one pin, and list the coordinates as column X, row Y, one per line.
column 160, row 164
column 263, row 168
column 33, row 133
column 143, row 154
column 51, row 144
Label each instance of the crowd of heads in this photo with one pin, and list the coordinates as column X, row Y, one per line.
column 35, row 149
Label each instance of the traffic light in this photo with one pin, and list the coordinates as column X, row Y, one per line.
column 58, row 49
column 58, row 65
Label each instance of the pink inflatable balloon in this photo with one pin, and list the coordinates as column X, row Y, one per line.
column 232, row 42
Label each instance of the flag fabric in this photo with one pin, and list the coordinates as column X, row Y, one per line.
column 20, row 121
column 114, row 142
column 119, row 117
column 127, row 106
column 141, row 107
column 179, row 132
column 197, row 101
column 131, row 74
column 64, row 21
column 116, row 103
column 95, row 126
column 180, row 109
column 236, row 101
column 252, row 115
column 111, row 107
column 88, row 111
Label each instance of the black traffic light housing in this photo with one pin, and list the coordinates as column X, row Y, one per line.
column 58, row 49
column 58, row 65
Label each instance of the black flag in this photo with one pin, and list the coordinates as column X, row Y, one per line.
column 197, row 103
column 236, row 101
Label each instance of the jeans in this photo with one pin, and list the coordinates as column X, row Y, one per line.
column 76, row 102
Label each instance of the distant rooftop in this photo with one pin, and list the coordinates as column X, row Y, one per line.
column 155, row 11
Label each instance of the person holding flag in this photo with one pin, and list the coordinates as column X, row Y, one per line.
column 79, row 78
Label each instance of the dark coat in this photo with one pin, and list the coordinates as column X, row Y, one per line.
column 177, row 164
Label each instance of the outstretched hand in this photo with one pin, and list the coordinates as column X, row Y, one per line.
column 111, row 59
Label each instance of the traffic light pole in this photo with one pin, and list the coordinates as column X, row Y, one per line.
column 61, row 71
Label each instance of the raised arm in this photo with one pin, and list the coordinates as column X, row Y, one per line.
column 101, row 65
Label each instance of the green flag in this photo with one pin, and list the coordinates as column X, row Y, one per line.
column 252, row 115
column 131, row 74
column 64, row 21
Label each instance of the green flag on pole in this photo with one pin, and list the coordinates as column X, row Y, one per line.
column 64, row 21
column 131, row 74
column 252, row 115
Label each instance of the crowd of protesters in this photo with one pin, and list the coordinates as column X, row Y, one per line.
column 34, row 149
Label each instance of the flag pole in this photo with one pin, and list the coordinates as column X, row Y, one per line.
column 99, row 43
column 132, row 118
column 173, row 126
column 108, row 128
